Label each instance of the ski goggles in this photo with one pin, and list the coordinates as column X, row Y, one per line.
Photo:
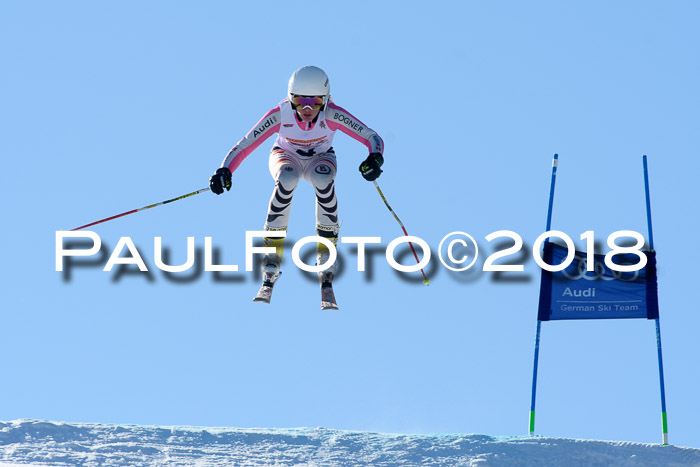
column 314, row 102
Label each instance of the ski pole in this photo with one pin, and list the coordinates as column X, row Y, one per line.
column 426, row 281
column 143, row 208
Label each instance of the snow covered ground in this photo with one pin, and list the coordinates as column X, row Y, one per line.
column 33, row 442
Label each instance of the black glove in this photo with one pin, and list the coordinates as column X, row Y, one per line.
column 370, row 167
column 220, row 180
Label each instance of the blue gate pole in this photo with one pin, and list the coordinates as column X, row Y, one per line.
column 555, row 163
column 664, row 419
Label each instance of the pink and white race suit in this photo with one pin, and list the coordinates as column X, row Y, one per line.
column 303, row 150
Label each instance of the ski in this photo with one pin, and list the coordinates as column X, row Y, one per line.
column 327, row 296
column 264, row 295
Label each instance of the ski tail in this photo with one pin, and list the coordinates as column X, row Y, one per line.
column 328, row 301
column 264, row 295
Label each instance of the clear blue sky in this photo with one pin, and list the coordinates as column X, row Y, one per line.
column 110, row 107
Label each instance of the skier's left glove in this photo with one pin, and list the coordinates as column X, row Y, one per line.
column 370, row 167
column 220, row 180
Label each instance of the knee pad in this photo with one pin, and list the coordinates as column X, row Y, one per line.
column 322, row 174
column 288, row 176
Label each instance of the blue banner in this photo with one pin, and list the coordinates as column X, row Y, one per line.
column 575, row 293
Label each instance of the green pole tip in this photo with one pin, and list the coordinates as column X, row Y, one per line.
column 426, row 281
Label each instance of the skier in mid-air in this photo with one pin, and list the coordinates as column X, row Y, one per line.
column 305, row 123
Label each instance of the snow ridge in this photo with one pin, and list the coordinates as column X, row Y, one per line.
column 32, row 442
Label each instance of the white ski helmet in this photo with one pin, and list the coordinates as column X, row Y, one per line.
column 309, row 81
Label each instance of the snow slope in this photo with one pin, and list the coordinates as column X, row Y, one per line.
column 34, row 442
